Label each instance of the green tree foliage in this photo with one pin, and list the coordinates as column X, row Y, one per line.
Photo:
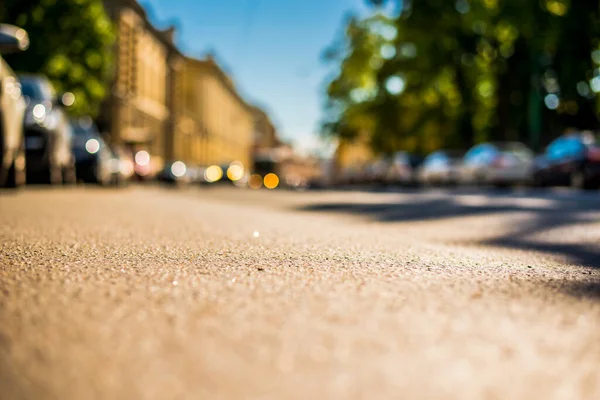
column 348, row 95
column 70, row 43
column 458, row 72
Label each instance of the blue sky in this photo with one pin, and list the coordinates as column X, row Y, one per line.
column 272, row 49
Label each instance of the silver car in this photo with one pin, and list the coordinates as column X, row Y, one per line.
column 441, row 168
column 12, row 111
column 48, row 134
column 498, row 164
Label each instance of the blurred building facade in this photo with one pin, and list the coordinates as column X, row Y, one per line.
column 173, row 106
column 138, row 113
column 224, row 121
column 267, row 147
column 265, row 133
column 187, row 141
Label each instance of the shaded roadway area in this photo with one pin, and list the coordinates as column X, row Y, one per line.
column 549, row 210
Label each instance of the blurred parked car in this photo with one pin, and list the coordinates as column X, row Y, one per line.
column 377, row 171
column 12, row 111
column 403, row 169
column 174, row 172
column 349, row 175
column 122, row 165
column 498, row 164
column 233, row 173
column 48, row 134
column 94, row 160
column 196, row 174
column 295, row 182
column 146, row 166
column 572, row 159
column 441, row 168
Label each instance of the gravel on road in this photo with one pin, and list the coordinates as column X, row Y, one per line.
column 234, row 294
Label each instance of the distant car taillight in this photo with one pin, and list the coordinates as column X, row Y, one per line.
column 593, row 154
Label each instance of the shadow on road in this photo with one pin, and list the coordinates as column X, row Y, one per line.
column 549, row 211
column 583, row 290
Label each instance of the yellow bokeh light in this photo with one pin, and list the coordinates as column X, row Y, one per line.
column 557, row 7
column 271, row 181
column 235, row 172
column 255, row 181
column 213, row 173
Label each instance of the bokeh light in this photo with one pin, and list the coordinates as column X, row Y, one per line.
column 213, row 173
column 243, row 181
column 142, row 158
column 68, row 99
column 395, row 85
column 255, row 181
column 178, row 169
column 127, row 168
column 92, row 146
column 388, row 51
column 235, row 172
column 21, row 34
column 595, row 84
column 552, row 101
column 271, row 181
column 39, row 111
column 142, row 170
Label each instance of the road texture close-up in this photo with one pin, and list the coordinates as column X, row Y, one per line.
column 221, row 293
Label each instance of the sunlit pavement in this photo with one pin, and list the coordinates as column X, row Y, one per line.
column 237, row 294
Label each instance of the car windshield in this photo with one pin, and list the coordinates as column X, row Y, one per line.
column 36, row 89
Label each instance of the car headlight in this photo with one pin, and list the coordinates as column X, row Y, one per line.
column 41, row 115
column 39, row 112
column 36, row 115
column 92, row 146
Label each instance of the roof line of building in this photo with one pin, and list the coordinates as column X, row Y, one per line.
column 166, row 36
column 210, row 62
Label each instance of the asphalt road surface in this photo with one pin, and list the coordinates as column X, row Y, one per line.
column 151, row 293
